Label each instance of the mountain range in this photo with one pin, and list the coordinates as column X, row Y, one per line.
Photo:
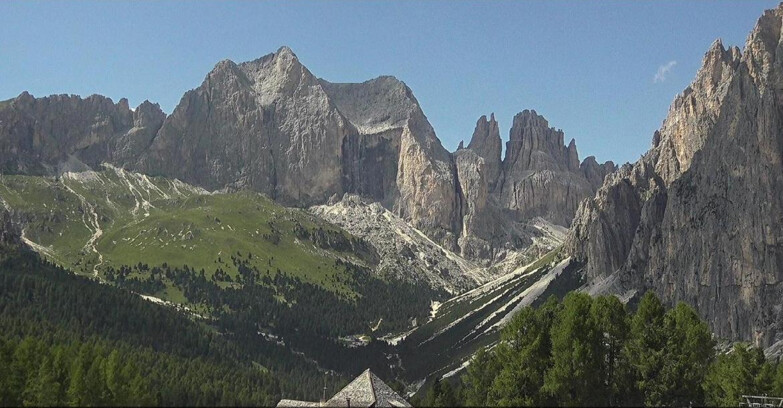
column 325, row 181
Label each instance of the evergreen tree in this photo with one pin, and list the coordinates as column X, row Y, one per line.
column 742, row 371
column 687, row 355
column 24, row 371
column 477, row 380
column 645, row 350
column 76, row 394
column 525, row 352
column 612, row 323
column 778, row 384
column 430, row 400
column 115, row 381
column 447, row 397
column 573, row 379
column 6, row 398
column 44, row 386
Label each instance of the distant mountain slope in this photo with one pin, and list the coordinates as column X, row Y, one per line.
column 93, row 221
column 459, row 327
column 698, row 218
column 270, row 126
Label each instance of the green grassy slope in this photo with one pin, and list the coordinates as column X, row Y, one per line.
column 89, row 222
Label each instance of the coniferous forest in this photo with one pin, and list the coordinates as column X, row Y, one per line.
column 67, row 340
column 587, row 351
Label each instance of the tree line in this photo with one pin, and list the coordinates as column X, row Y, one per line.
column 587, row 351
column 190, row 362
column 95, row 372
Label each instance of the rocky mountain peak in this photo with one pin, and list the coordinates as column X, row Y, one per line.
column 374, row 106
column 533, row 145
column 694, row 112
column 148, row 114
column 24, row 100
column 487, row 144
column 697, row 218
column 541, row 177
column 286, row 52
column 761, row 49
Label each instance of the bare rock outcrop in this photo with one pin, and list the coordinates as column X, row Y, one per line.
column 487, row 144
column 265, row 125
column 65, row 132
column 541, row 177
column 698, row 218
column 396, row 158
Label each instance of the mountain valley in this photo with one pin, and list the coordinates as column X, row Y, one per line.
column 301, row 231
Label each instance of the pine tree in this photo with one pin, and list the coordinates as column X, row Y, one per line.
column 778, row 384
column 483, row 369
column 115, row 381
column 6, row 350
column 689, row 351
column 743, row 371
column 645, row 350
column 76, row 394
column 613, row 325
column 525, row 356
column 576, row 355
column 24, row 369
column 447, row 397
column 44, row 386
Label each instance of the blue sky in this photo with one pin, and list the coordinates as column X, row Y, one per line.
column 598, row 70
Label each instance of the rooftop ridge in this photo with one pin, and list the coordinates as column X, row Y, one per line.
column 372, row 386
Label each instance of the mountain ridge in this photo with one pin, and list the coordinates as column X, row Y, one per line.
column 270, row 125
column 697, row 218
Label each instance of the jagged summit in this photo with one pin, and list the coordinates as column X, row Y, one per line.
column 376, row 105
column 271, row 126
column 697, row 219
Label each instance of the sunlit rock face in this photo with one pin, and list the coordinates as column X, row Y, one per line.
column 698, row 218
column 271, row 126
column 50, row 135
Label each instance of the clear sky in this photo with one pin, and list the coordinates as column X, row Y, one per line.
column 589, row 67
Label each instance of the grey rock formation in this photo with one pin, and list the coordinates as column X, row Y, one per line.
column 61, row 132
column 404, row 251
column 698, row 218
column 541, row 177
column 265, row 125
column 9, row 234
column 487, row 144
column 396, row 158
column 271, row 126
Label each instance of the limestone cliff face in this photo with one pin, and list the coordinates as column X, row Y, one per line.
column 61, row 132
column 698, row 218
column 694, row 112
column 487, row 145
column 271, row 126
column 396, row 158
column 266, row 125
column 541, row 177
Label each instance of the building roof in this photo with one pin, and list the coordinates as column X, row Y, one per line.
column 295, row 403
column 366, row 390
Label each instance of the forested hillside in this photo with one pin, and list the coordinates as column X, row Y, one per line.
column 591, row 352
column 69, row 340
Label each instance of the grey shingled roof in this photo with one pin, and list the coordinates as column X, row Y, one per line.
column 366, row 390
column 295, row 403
